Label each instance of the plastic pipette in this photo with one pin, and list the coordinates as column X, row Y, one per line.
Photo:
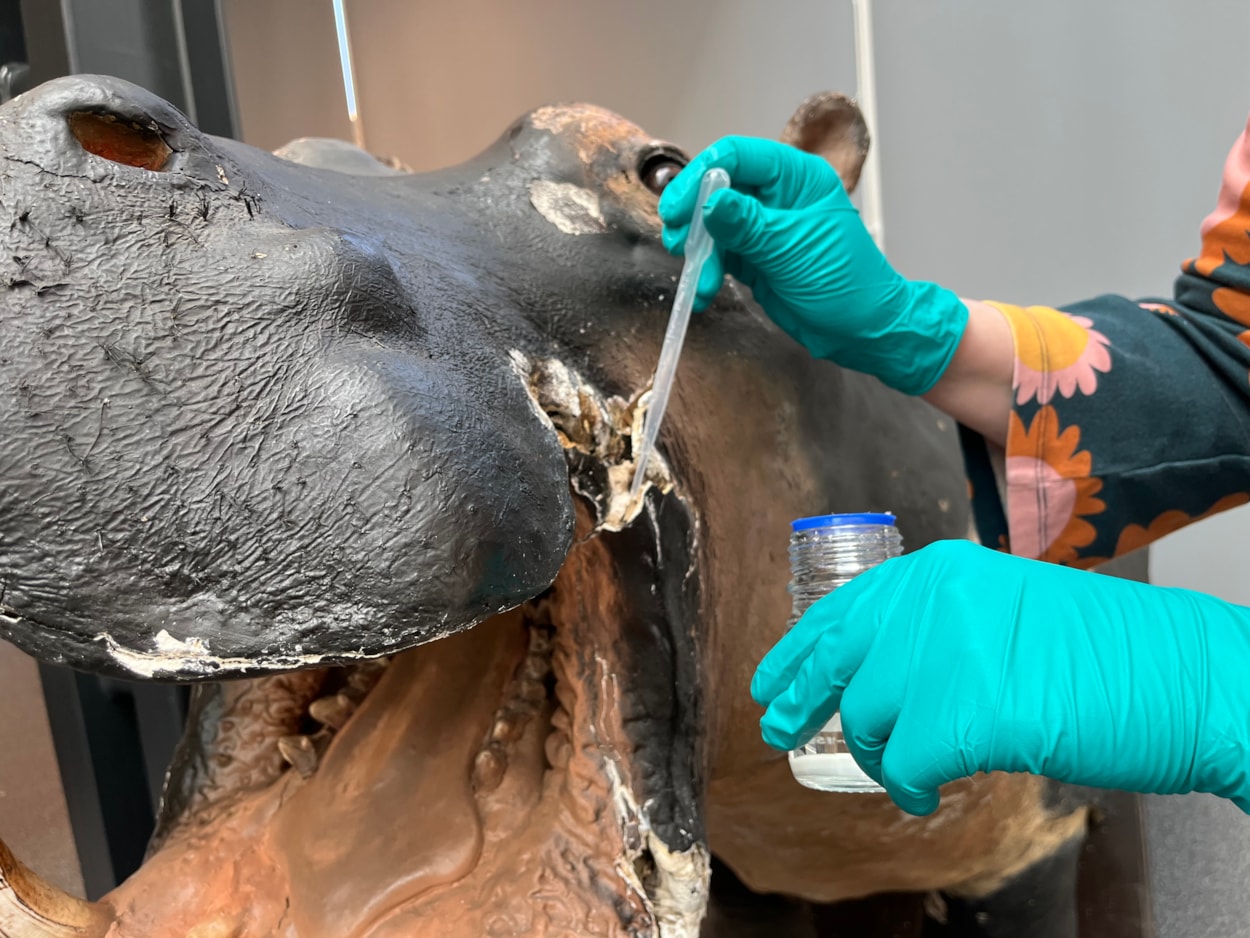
column 698, row 250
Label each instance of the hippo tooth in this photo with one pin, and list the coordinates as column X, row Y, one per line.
column 541, row 642
column 507, row 729
column 536, row 667
column 300, row 753
column 532, row 692
column 935, row 907
column 558, row 745
column 488, row 769
column 33, row 908
column 362, row 678
column 333, row 712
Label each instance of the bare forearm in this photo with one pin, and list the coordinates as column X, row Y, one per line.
column 977, row 385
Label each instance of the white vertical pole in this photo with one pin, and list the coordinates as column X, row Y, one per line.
column 184, row 63
column 866, row 94
column 349, row 73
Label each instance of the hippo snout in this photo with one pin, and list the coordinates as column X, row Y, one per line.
column 240, row 434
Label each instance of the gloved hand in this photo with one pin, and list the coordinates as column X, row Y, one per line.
column 958, row 659
column 788, row 230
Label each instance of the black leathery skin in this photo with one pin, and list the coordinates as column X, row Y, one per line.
column 254, row 405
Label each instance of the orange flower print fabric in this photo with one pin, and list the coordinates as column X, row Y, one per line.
column 1135, row 535
column 1055, row 353
column 1051, row 491
column 1131, row 418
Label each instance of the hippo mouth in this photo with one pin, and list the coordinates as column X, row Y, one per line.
column 537, row 774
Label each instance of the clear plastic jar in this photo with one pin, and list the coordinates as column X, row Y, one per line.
column 826, row 552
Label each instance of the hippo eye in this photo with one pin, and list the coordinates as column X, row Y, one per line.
column 119, row 140
column 659, row 169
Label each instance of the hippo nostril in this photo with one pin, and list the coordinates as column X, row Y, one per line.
column 120, row 140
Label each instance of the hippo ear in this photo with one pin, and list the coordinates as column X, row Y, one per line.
column 830, row 125
column 339, row 155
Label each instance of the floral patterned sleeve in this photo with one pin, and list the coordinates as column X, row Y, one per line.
column 1130, row 419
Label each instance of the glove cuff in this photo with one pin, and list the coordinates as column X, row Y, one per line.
column 927, row 331
column 940, row 319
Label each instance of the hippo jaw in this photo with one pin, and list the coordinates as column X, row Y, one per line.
column 538, row 775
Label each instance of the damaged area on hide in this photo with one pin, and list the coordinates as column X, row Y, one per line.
column 535, row 775
column 172, row 657
column 597, row 139
column 597, row 433
column 573, row 209
column 628, row 616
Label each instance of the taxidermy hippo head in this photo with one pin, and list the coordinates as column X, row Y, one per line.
column 279, row 420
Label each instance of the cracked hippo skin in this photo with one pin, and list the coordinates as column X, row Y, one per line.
column 350, row 448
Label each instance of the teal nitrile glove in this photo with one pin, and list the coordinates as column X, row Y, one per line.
column 788, row 230
column 958, row 659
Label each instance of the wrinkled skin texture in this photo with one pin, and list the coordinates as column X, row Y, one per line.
column 264, row 418
column 216, row 398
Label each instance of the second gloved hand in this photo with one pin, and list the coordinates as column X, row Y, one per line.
column 788, row 230
column 957, row 659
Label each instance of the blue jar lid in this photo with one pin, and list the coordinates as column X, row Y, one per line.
column 841, row 521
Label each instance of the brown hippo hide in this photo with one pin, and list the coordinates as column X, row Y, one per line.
column 414, row 398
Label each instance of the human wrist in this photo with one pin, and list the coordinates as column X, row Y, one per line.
column 976, row 387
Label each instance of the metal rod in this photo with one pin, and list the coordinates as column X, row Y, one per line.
column 184, row 61
column 349, row 74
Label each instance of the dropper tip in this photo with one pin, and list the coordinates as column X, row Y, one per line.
column 640, row 473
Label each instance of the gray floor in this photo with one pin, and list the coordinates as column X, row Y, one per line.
column 1200, row 866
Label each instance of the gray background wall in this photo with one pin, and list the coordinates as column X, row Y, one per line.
column 439, row 82
column 1047, row 152
column 34, row 817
